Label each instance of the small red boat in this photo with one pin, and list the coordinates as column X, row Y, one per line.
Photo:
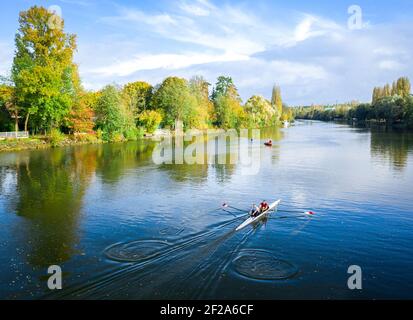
column 268, row 143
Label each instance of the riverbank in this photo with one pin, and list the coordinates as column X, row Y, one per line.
column 42, row 142
column 62, row 140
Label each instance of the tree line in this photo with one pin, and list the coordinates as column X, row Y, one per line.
column 44, row 94
column 391, row 105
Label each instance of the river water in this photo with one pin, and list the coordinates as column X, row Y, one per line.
column 123, row 227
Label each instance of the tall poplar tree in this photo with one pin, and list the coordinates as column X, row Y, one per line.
column 276, row 100
column 43, row 71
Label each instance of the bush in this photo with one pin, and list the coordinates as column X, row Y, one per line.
column 86, row 137
column 132, row 134
column 116, row 137
column 99, row 134
column 150, row 120
column 55, row 137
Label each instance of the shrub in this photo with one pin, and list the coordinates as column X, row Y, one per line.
column 55, row 137
column 99, row 134
column 116, row 137
column 150, row 120
column 131, row 134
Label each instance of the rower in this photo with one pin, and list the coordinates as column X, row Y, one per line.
column 264, row 206
column 254, row 210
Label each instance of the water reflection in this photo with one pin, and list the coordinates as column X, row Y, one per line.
column 57, row 202
column 114, row 159
column 49, row 190
column 392, row 146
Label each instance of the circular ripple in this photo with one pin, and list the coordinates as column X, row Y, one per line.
column 135, row 251
column 262, row 265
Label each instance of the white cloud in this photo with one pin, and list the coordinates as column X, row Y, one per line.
column 6, row 58
column 390, row 65
column 77, row 2
column 127, row 15
column 200, row 8
column 164, row 61
column 312, row 26
column 227, row 28
column 314, row 58
column 285, row 72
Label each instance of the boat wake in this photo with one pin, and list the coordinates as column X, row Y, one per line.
column 160, row 269
column 263, row 265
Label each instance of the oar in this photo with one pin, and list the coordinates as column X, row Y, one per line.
column 297, row 211
column 226, row 205
column 290, row 217
column 231, row 213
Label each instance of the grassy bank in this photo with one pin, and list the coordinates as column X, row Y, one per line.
column 44, row 142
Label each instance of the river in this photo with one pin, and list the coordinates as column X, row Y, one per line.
column 123, row 227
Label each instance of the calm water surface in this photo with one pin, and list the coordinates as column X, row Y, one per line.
column 122, row 227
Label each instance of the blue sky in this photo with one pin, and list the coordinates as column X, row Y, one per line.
column 304, row 46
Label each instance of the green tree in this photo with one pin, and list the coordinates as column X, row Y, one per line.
column 43, row 68
column 137, row 97
column 199, row 88
column 394, row 88
column 403, row 87
column 109, row 117
column 150, row 120
column 287, row 114
column 221, row 87
column 276, row 100
column 362, row 112
column 228, row 110
column 173, row 98
column 375, row 96
column 259, row 112
column 408, row 111
column 8, row 102
column 387, row 90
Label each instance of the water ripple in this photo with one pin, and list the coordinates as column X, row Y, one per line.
column 263, row 265
column 135, row 251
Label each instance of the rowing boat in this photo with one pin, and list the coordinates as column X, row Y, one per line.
column 251, row 220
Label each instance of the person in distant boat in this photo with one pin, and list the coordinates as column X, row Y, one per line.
column 254, row 210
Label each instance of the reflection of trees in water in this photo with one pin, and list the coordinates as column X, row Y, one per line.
column 392, row 146
column 274, row 133
column 223, row 161
column 48, row 187
column 219, row 156
column 114, row 159
column 49, row 192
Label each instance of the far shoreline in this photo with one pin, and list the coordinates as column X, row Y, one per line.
column 42, row 143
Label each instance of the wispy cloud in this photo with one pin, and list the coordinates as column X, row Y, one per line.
column 83, row 3
column 199, row 8
column 312, row 26
column 164, row 61
column 391, row 65
column 6, row 58
column 314, row 57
